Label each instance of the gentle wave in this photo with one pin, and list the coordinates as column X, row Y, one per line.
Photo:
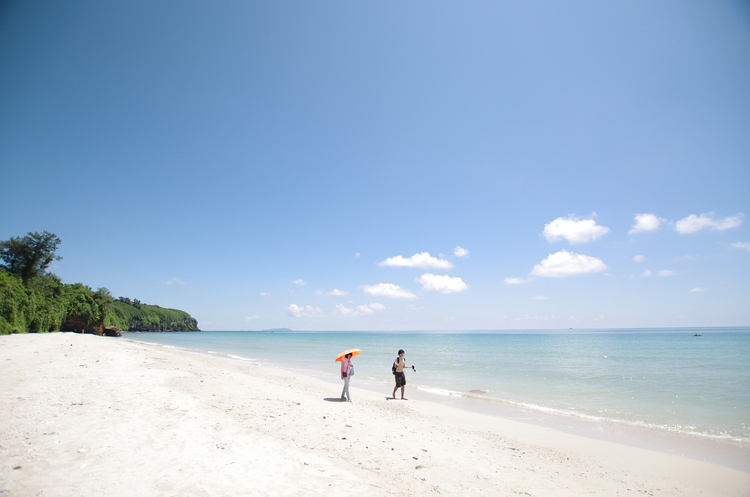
column 441, row 391
column 572, row 412
column 680, row 429
column 152, row 343
column 239, row 357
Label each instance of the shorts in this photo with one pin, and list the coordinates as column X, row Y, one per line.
column 400, row 379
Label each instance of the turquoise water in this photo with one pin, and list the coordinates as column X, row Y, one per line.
column 664, row 379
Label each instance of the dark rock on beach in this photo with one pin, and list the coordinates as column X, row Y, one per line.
column 112, row 331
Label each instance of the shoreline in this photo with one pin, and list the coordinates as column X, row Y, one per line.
column 727, row 452
column 91, row 415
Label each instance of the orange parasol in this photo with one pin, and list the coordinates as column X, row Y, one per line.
column 353, row 352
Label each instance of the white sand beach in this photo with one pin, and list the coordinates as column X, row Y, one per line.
column 91, row 416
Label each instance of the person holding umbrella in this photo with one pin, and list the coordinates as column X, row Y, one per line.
column 347, row 370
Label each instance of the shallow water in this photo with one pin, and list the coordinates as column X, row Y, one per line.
column 661, row 379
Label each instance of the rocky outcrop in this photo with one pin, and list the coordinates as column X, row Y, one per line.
column 112, row 331
column 78, row 325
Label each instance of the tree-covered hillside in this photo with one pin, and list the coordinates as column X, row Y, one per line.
column 32, row 300
column 49, row 305
column 143, row 317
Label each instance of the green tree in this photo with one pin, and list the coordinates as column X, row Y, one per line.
column 103, row 294
column 29, row 256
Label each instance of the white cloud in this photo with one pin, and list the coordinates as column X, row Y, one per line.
column 441, row 284
column 693, row 223
column 388, row 290
column 344, row 311
column 564, row 263
column 413, row 307
column 729, row 222
column 645, row 222
column 306, row 311
column 356, row 255
column 176, row 281
column 741, row 245
column 335, row 292
column 698, row 289
column 361, row 310
column 460, row 252
column 514, row 281
column 639, row 258
column 540, row 297
column 573, row 229
column 364, row 310
column 423, row 260
column 667, row 272
column 646, row 273
column 300, row 282
column 264, row 294
column 250, row 318
column 683, row 258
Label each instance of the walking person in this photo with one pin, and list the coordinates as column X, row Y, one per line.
column 346, row 375
column 347, row 370
column 398, row 371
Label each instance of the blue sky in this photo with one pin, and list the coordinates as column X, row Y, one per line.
column 207, row 156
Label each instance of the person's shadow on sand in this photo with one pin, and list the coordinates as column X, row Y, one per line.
column 334, row 399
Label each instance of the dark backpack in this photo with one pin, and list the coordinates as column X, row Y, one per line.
column 393, row 367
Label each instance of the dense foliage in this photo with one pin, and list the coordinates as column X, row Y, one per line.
column 49, row 305
column 35, row 301
column 135, row 316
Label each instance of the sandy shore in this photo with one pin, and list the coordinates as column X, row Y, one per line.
column 87, row 415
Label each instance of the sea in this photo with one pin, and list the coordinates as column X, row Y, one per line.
column 681, row 390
